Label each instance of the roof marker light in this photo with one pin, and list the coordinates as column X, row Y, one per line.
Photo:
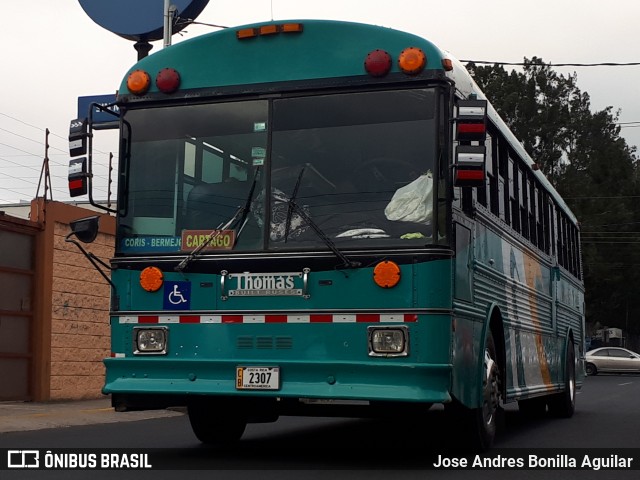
column 378, row 63
column 247, row 33
column 168, row 80
column 138, row 82
column 269, row 29
column 266, row 30
column 291, row 27
column 412, row 60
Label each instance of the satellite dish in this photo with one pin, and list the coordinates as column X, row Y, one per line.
column 139, row 20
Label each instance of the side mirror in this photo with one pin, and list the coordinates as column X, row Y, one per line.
column 85, row 229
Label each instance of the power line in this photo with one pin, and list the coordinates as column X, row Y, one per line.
column 522, row 64
column 6, row 164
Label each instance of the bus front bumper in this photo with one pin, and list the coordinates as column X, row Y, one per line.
column 396, row 381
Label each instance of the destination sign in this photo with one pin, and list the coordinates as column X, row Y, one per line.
column 208, row 240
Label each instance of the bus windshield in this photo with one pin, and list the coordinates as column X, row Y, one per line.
column 358, row 167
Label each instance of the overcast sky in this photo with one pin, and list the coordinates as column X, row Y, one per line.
column 52, row 52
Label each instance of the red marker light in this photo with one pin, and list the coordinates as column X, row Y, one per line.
column 476, row 175
column 168, row 80
column 472, row 129
column 377, row 63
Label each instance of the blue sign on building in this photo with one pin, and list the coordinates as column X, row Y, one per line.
column 101, row 119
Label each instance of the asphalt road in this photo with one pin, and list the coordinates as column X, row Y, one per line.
column 607, row 416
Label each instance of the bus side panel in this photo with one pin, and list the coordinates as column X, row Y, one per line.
column 521, row 284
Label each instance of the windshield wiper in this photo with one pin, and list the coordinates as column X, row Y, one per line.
column 241, row 213
column 292, row 200
column 196, row 251
column 346, row 262
column 293, row 206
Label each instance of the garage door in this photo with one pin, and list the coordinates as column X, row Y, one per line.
column 16, row 314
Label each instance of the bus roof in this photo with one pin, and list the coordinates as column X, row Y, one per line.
column 324, row 49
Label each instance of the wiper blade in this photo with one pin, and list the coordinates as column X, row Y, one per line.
column 346, row 262
column 292, row 200
column 241, row 213
column 214, row 233
column 247, row 205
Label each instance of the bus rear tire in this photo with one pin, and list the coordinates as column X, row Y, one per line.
column 563, row 405
column 533, row 407
column 215, row 421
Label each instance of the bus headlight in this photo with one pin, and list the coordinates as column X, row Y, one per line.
column 150, row 341
column 388, row 341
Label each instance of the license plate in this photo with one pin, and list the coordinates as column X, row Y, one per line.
column 257, row 378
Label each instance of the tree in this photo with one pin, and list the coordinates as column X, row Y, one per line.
column 591, row 166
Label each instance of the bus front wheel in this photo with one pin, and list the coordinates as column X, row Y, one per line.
column 215, row 421
column 487, row 414
column 479, row 425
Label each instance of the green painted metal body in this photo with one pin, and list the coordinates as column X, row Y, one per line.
column 317, row 360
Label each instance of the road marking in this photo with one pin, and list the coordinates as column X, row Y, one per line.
column 623, row 384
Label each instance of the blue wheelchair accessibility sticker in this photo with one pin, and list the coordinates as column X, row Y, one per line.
column 177, row 295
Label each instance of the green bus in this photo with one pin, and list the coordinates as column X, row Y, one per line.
column 329, row 218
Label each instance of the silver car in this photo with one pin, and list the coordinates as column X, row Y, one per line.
column 612, row 359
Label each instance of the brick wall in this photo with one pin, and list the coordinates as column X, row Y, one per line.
column 71, row 330
column 79, row 318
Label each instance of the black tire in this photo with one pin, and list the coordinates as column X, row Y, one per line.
column 477, row 426
column 563, row 404
column 533, row 407
column 215, row 421
column 487, row 415
column 592, row 369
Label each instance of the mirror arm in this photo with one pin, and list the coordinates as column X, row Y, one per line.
column 92, row 258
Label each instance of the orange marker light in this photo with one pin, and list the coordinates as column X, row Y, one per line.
column 386, row 274
column 151, row 279
column 247, row 33
column 268, row 29
column 291, row 27
column 138, row 82
column 412, row 60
